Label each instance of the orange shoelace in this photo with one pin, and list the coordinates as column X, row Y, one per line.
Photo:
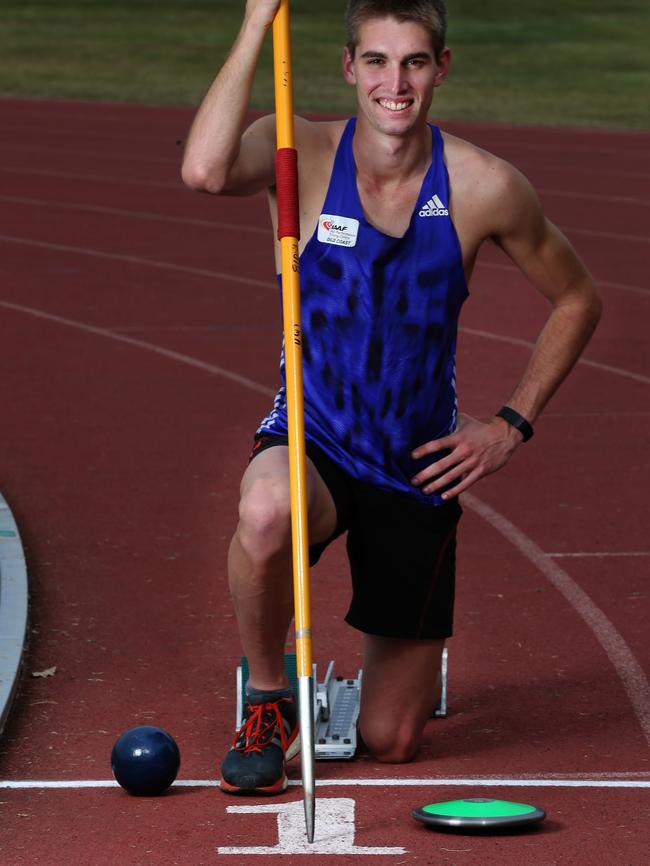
column 259, row 728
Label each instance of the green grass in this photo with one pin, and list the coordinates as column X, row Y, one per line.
column 578, row 62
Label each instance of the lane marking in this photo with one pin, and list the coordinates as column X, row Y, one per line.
column 527, row 165
column 141, row 344
column 586, row 362
column 622, row 413
column 334, row 830
column 607, row 284
column 619, row 199
column 542, row 781
column 178, row 186
column 144, row 215
column 594, row 233
column 603, row 284
column 101, row 154
column 620, row 655
column 574, row 148
column 84, row 251
column 94, row 178
column 109, row 135
column 246, row 280
column 480, row 783
column 216, row 328
column 136, row 260
column 13, row 106
column 598, row 554
column 618, row 652
column 241, row 227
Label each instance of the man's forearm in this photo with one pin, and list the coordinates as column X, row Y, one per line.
column 214, row 139
column 560, row 344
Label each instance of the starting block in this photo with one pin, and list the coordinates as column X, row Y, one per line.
column 337, row 701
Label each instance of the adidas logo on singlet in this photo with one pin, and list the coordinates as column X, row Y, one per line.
column 434, row 207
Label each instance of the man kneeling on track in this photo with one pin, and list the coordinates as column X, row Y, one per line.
column 393, row 212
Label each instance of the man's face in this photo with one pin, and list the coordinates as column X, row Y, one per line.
column 395, row 72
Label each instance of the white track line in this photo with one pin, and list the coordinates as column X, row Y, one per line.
column 108, row 154
column 98, row 178
column 605, row 284
column 618, row 652
column 93, row 178
column 506, row 145
column 526, row 164
column 616, row 236
column 526, row 344
column 239, row 227
column 598, row 554
column 488, row 129
column 623, row 660
column 426, row 782
column 111, row 135
column 150, row 347
column 201, row 272
column 576, row 148
column 142, row 215
column 565, row 193
column 137, row 260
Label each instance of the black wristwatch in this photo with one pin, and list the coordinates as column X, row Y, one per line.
column 517, row 421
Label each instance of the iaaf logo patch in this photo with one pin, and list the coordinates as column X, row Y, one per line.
column 338, row 230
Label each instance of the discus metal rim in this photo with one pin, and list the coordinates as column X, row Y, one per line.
column 529, row 816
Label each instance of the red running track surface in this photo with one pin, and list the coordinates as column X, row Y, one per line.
column 139, row 340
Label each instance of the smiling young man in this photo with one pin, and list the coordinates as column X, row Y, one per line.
column 393, row 213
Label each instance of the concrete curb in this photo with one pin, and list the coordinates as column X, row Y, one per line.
column 13, row 608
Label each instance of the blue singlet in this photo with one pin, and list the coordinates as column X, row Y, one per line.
column 379, row 318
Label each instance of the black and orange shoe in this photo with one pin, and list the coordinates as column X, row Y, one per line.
column 267, row 739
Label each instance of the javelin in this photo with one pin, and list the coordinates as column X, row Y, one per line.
column 288, row 235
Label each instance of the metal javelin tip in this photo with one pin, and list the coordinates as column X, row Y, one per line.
column 307, row 751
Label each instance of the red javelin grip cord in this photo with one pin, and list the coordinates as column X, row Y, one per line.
column 286, row 182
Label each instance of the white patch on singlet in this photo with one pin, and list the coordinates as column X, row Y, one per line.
column 338, row 230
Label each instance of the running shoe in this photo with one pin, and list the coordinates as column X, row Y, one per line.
column 267, row 739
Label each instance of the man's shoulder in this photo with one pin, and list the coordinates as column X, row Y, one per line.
column 318, row 135
column 304, row 126
column 480, row 174
column 315, row 140
column 469, row 160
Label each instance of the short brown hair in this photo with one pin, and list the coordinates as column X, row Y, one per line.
column 431, row 14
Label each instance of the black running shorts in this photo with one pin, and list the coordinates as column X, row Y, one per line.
column 402, row 553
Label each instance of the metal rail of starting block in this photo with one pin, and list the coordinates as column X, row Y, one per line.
column 337, row 701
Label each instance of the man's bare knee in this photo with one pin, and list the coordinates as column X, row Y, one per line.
column 264, row 529
column 392, row 747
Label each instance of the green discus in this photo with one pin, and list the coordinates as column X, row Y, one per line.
column 478, row 813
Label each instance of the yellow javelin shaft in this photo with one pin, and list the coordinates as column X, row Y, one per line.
column 289, row 247
column 293, row 357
